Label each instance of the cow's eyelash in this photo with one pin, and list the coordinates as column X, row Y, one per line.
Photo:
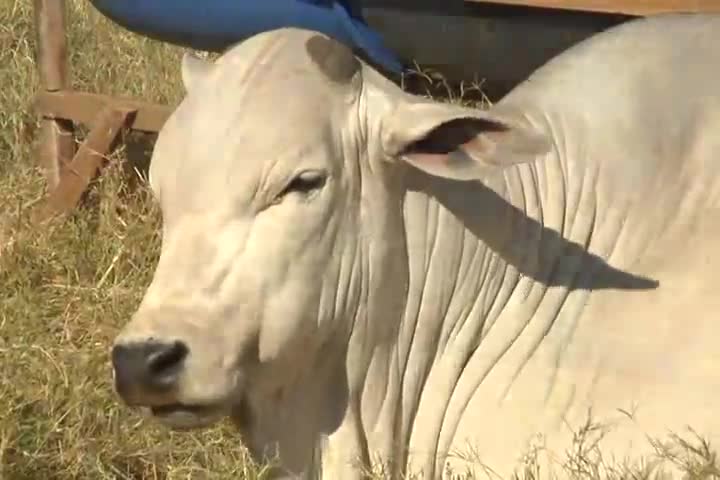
column 304, row 183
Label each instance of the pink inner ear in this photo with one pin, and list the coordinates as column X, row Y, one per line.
column 459, row 133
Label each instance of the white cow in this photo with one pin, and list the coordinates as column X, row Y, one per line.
column 356, row 275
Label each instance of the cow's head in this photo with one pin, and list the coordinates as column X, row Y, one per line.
column 284, row 262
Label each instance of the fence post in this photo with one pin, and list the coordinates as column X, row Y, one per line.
column 56, row 143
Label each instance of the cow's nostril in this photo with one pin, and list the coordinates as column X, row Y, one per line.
column 150, row 367
column 167, row 359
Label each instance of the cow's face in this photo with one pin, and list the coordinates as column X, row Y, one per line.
column 283, row 231
column 260, row 236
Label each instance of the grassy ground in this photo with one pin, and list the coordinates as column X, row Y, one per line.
column 67, row 288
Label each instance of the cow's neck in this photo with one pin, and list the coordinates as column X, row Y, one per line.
column 479, row 255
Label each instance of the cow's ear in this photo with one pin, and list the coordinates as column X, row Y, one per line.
column 194, row 69
column 457, row 142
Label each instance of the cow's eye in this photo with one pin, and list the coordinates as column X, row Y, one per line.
column 305, row 183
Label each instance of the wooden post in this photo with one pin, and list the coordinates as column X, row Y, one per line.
column 56, row 144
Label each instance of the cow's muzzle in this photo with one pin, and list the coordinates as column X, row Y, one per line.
column 147, row 374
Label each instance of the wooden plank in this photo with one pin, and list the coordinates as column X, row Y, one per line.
column 56, row 145
column 83, row 108
column 55, row 148
column 52, row 46
column 627, row 7
column 75, row 178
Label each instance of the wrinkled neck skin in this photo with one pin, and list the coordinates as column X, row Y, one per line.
column 432, row 302
column 463, row 265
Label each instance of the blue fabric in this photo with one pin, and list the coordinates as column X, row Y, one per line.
column 213, row 25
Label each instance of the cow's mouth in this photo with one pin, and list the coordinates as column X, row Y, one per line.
column 182, row 416
column 180, row 407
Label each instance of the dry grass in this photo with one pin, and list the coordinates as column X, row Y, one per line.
column 67, row 288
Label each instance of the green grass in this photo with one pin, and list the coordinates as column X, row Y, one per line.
column 68, row 287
